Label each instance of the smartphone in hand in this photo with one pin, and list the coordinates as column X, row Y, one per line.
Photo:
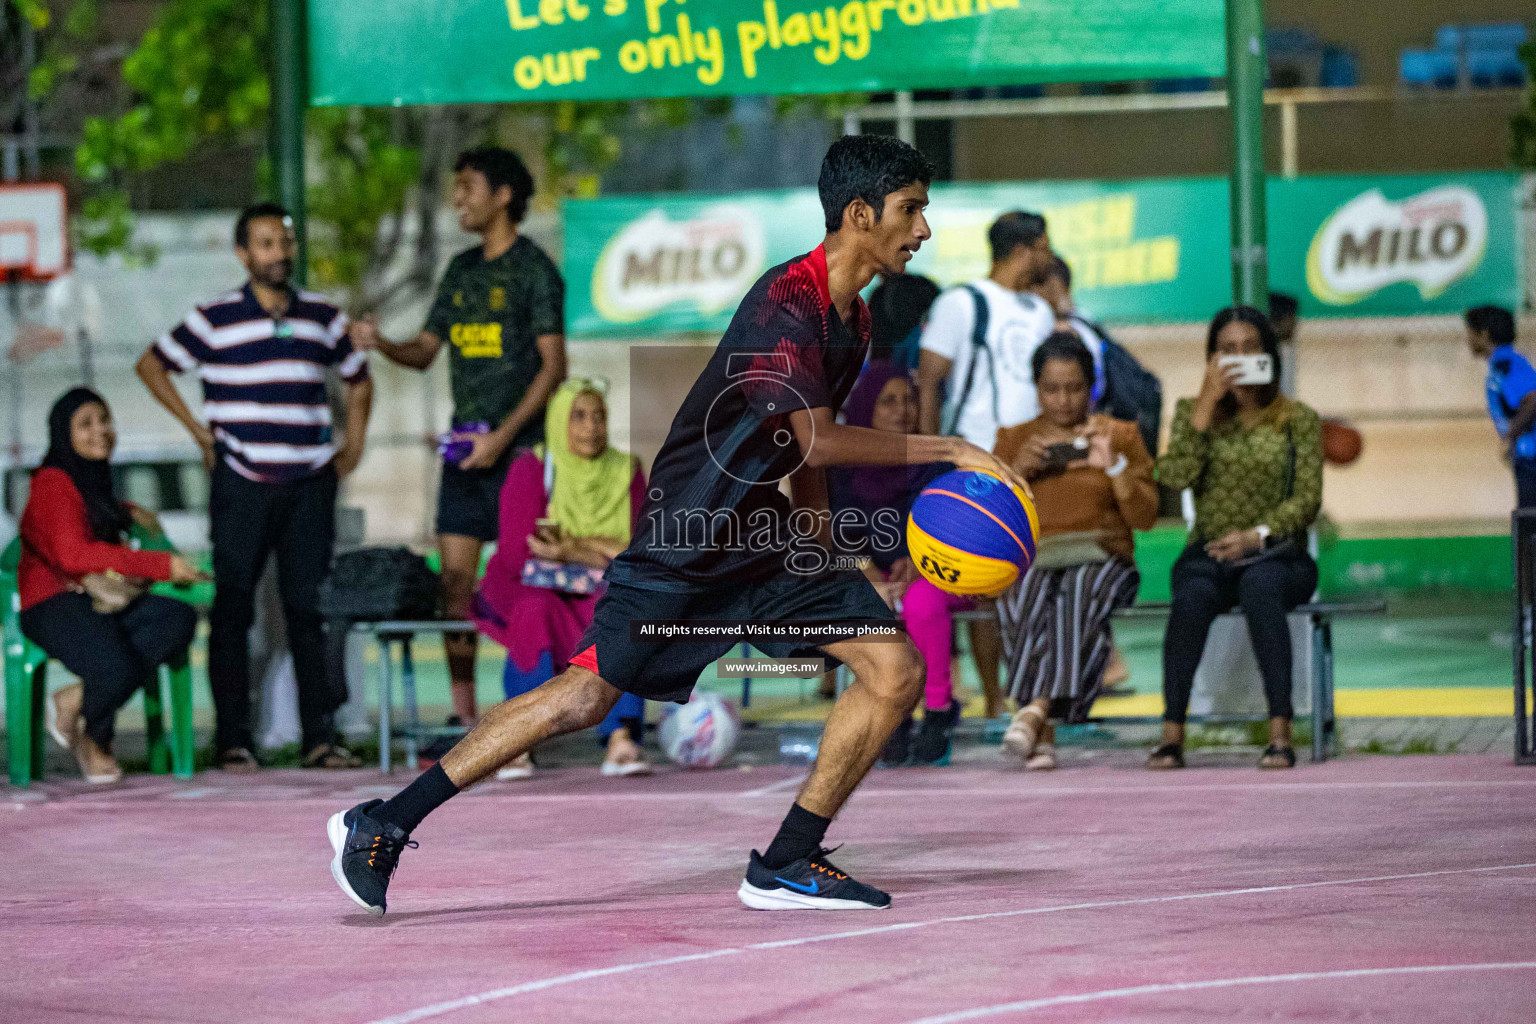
column 547, row 530
column 1066, row 452
column 1257, row 369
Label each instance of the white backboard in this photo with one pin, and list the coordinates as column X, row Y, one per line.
column 32, row 231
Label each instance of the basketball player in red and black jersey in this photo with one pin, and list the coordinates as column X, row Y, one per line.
column 718, row 540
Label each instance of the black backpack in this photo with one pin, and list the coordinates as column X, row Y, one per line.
column 375, row 584
column 370, row 585
column 1131, row 392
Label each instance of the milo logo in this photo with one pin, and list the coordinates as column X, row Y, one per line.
column 1432, row 240
column 709, row 261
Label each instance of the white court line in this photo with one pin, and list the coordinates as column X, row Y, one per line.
column 1021, row 792
column 1405, row 634
column 454, row 1005
column 195, row 794
column 1037, row 791
column 777, row 786
column 1194, row 986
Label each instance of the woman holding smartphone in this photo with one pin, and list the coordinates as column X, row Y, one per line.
column 1092, row 479
column 568, row 507
column 1254, row 460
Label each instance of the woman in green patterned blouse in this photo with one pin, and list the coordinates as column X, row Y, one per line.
column 1254, row 460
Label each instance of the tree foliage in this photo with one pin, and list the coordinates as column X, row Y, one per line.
column 61, row 48
column 197, row 81
column 197, row 76
column 1522, row 127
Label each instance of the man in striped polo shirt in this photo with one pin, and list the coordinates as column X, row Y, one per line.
column 262, row 353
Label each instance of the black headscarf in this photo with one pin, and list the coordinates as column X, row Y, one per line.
column 108, row 517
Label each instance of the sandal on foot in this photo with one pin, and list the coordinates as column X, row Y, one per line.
column 517, row 769
column 237, row 761
column 1278, row 757
column 620, row 769
column 1169, row 755
column 97, row 765
column 629, row 760
column 61, row 714
column 1024, row 732
column 331, row 755
column 1043, row 759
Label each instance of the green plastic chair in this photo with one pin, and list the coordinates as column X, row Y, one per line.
column 26, row 687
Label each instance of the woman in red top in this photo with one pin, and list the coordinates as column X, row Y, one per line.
column 74, row 526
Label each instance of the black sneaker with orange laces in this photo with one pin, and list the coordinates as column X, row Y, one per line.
column 367, row 851
column 811, row 883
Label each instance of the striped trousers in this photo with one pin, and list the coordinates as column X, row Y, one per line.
column 1056, row 638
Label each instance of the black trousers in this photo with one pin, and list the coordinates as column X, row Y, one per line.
column 1204, row 588
column 250, row 521
column 1525, row 484
column 114, row 655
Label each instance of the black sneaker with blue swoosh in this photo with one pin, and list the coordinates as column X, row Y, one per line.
column 812, row 883
column 366, row 851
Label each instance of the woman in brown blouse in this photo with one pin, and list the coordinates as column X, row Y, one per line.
column 1092, row 479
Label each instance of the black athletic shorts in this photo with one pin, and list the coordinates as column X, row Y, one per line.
column 667, row 669
column 469, row 500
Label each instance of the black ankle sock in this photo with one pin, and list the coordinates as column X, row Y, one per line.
column 798, row 837
column 407, row 808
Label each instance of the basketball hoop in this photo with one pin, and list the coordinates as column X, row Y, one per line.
column 32, row 232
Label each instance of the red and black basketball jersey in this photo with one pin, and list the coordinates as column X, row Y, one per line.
column 715, row 513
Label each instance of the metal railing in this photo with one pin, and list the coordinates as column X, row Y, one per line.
column 1523, row 543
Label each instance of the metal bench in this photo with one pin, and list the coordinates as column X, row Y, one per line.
column 384, row 635
column 1321, row 613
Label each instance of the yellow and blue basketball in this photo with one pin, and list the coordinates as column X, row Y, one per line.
column 972, row 533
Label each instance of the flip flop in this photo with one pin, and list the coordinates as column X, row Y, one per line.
column 238, row 761
column 1167, row 756
column 329, row 755
column 51, row 717
column 625, row 768
column 1277, row 757
column 1024, row 732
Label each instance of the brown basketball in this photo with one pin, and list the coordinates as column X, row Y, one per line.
column 1342, row 443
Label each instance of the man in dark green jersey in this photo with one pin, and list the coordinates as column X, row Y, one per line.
column 500, row 308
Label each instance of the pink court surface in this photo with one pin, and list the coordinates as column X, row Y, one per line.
column 1392, row 889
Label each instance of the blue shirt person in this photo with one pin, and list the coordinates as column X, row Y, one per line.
column 1510, row 380
column 1511, row 389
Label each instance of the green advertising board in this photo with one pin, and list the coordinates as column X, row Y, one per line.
column 497, row 51
column 1396, row 245
column 1141, row 251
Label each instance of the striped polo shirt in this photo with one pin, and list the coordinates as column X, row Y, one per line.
column 264, row 379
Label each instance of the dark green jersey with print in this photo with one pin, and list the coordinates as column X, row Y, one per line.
column 489, row 313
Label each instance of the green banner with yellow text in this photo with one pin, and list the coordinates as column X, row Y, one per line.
column 1140, row 251
column 497, row 51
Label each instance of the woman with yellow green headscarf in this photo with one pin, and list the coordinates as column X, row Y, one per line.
column 567, row 508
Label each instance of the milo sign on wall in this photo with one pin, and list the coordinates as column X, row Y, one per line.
column 1431, row 240
column 1397, row 246
column 1141, row 251
column 695, row 262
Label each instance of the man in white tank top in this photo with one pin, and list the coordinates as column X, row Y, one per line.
column 985, row 375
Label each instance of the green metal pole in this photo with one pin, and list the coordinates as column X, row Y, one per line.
column 289, row 92
column 1246, row 68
